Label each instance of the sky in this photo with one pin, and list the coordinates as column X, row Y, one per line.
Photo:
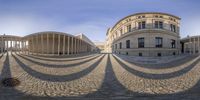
column 90, row 17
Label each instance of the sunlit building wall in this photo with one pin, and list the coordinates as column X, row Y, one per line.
column 46, row 43
column 145, row 34
column 191, row 45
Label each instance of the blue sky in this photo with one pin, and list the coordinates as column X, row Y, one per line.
column 91, row 17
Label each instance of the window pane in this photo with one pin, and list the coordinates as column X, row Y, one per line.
column 160, row 24
column 143, row 24
column 140, row 42
column 128, row 44
column 156, row 24
column 159, row 42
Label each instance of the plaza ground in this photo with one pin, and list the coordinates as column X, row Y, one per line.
column 99, row 76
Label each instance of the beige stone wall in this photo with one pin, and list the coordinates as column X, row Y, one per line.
column 191, row 45
column 149, row 44
column 56, row 45
column 119, row 33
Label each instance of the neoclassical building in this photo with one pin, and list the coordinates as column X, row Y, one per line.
column 145, row 34
column 191, row 45
column 47, row 43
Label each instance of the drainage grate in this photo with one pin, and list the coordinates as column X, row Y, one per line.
column 10, row 82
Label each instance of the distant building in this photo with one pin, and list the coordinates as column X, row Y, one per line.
column 100, row 46
column 191, row 45
column 47, row 43
column 145, row 34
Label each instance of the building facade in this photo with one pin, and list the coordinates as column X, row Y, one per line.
column 100, row 46
column 46, row 43
column 191, row 45
column 145, row 34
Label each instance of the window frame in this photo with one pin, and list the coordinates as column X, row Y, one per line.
column 158, row 42
column 173, row 43
column 141, row 42
column 128, row 44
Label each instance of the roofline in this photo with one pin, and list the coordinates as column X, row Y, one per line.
column 145, row 13
column 52, row 32
column 194, row 36
column 11, row 36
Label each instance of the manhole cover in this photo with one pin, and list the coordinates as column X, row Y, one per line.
column 10, row 82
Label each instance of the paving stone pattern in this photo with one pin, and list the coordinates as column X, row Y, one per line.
column 98, row 76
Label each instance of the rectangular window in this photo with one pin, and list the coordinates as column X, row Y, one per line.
column 115, row 46
column 159, row 42
column 173, row 28
column 120, row 45
column 142, row 25
column 173, row 43
column 129, row 28
column 139, row 25
column 127, row 43
column 140, row 54
column 141, row 42
column 156, row 24
column 159, row 54
column 160, row 24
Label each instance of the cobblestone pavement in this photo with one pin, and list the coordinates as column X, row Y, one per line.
column 98, row 76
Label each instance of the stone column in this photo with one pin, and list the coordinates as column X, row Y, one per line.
column 27, row 46
column 42, row 42
column 23, row 51
column 72, row 45
column 78, row 46
column 11, row 44
column 194, row 46
column 37, row 44
column 19, row 46
column 81, row 46
column 20, row 43
column 32, row 43
column 190, row 44
column 64, row 45
column 47, row 43
column 198, row 45
column 68, row 44
column 75, row 46
column 53, row 44
column 16, row 46
column 2, row 44
column 58, row 44
column 7, row 45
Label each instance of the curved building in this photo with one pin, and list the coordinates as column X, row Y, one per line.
column 145, row 34
column 47, row 43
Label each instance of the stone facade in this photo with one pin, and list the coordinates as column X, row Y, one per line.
column 46, row 43
column 191, row 45
column 145, row 34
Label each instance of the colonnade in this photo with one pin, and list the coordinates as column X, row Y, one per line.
column 192, row 46
column 60, row 44
column 13, row 44
column 44, row 43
